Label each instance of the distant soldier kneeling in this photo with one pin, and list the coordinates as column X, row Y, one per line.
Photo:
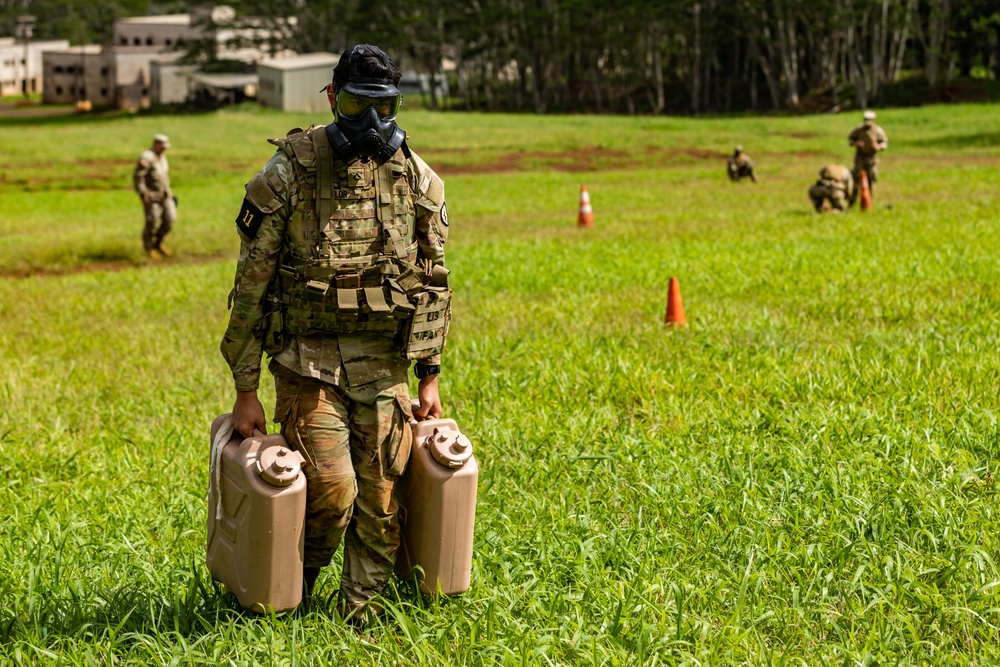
column 739, row 165
column 836, row 186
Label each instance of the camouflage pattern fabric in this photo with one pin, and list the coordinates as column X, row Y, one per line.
column 873, row 139
column 356, row 443
column 281, row 219
column 739, row 165
column 342, row 397
column 835, row 185
column 151, row 173
column 151, row 177
column 160, row 214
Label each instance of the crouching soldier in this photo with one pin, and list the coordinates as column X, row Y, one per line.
column 834, row 191
column 739, row 165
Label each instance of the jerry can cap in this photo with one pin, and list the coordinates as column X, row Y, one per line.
column 279, row 466
column 449, row 448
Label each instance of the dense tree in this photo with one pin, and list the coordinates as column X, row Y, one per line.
column 630, row 56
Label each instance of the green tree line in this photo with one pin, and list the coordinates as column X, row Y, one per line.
column 634, row 56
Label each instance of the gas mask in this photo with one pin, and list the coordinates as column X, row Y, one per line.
column 366, row 121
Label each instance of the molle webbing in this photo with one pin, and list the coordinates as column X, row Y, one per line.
column 353, row 268
column 345, row 310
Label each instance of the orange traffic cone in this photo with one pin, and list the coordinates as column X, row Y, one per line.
column 866, row 191
column 675, row 307
column 586, row 216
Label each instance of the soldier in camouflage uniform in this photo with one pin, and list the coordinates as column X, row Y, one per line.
column 151, row 179
column 867, row 139
column 341, row 280
column 739, row 165
column 836, row 186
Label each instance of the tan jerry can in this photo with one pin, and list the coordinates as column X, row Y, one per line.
column 437, row 498
column 256, row 516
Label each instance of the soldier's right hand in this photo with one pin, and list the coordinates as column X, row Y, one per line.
column 248, row 414
column 145, row 197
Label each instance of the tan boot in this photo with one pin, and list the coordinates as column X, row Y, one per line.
column 155, row 255
column 164, row 250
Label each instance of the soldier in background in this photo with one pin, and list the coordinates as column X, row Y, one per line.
column 834, row 191
column 867, row 139
column 151, row 179
column 340, row 232
column 739, row 165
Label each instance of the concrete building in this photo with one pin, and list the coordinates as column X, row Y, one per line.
column 19, row 75
column 115, row 76
column 168, row 83
column 78, row 73
column 293, row 84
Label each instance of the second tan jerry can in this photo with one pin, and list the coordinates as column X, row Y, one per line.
column 437, row 498
column 256, row 515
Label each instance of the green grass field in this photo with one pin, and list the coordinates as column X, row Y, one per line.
column 802, row 476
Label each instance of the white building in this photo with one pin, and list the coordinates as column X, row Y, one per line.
column 161, row 33
column 293, row 84
column 19, row 75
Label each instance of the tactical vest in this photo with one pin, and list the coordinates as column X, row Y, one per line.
column 348, row 264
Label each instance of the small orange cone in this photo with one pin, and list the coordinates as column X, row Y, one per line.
column 586, row 216
column 675, row 307
column 866, row 192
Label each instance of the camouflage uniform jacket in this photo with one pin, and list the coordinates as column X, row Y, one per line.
column 871, row 135
column 152, row 173
column 272, row 230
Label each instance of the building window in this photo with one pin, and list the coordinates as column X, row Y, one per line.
column 57, row 69
column 71, row 69
column 136, row 41
column 104, row 71
column 104, row 92
column 58, row 90
column 149, row 41
column 145, row 92
column 124, row 41
column 168, row 41
column 83, row 93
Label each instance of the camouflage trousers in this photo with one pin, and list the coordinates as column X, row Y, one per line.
column 870, row 164
column 356, row 443
column 836, row 196
column 160, row 216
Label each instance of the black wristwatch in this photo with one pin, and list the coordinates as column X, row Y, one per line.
column 423, row 370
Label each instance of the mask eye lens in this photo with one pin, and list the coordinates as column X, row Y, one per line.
column 352, row 105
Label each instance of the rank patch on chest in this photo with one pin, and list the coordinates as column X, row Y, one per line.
column 249, row 219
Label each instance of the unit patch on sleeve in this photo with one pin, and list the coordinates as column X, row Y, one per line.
column 444, row 214
column 249, row 219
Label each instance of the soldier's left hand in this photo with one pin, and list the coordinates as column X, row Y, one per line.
column 430, row 401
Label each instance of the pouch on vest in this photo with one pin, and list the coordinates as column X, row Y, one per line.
column 427, row 330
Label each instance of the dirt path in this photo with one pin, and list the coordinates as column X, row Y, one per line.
column 117, row 265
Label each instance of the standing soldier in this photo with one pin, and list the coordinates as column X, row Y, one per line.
column 151, row 179
column 739, row 165
column 836, row 186
column 341, row 280
column 867, row 139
